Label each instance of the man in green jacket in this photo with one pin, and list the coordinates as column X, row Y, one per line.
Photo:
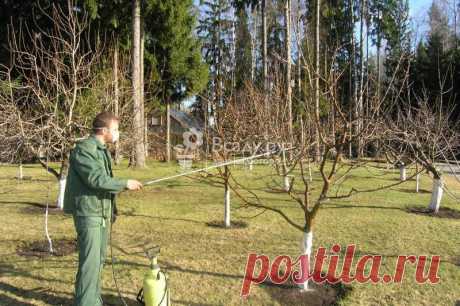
column 90, row 197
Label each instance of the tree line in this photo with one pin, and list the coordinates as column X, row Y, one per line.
column 152, row 55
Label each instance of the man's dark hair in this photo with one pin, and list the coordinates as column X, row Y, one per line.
column 102, row 120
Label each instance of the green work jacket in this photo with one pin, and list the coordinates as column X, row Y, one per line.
column 90, row 187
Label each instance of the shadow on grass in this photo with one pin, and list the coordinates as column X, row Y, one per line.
column 26, row 179
column 443, row 213
column 383, row 177
column 168, row 266
column 30, row 203
column 131, row 214
column 233, row 224
column 41, row 294
column 14, row 270
column 412, row 190
column 343, row 206
column 47, row 296
column 9, row 301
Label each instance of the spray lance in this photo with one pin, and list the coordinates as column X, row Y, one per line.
column 155, row 290
column 217, row 165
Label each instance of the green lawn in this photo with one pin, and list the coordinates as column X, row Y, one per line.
column 206, row 264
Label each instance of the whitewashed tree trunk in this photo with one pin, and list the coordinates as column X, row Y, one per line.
column 50, row 242
column 402, row 172
column 287, row 182
column 307, row 244
column 250, row 164
column 227, row 206
column 436, row 195
column 60, row 201
column 417, row 183
column 20, row 173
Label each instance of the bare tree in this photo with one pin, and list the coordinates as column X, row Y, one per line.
column 244, row 118
column 55, row 68
column 424, row 134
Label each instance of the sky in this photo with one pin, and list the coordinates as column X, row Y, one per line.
column 419, row 6
column 419, row 15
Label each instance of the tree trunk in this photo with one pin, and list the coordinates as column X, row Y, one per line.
column 353, row 82
column 116, row 97
column 307, row 245
column 264, row 47
column 168, row 131
column 436, row 195
column 142, row 86
column 50, row 242
column 139, row 154
column 379, row 43
column 455, row 8
column 253, row 45
column 287, row 16
column 60, row 201
column 266, row 85
column 286, row 177
column 359, row 105
column 402, row 172
column 62, row 182
column 20, row 172
column 317, row 117
column 227, row 221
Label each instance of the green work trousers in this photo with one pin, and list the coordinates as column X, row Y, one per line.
column 92, row 236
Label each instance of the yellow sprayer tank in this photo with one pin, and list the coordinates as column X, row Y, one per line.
column 155, row 291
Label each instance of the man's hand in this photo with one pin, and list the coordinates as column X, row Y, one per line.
column 134, row 185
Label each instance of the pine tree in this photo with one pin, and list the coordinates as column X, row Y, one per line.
column 215, row 32
column 174, row 51
column 243, row 54
column 396, row 30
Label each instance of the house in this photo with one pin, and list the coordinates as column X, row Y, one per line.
column 181, row 122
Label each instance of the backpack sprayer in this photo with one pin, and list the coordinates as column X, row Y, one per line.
column 155, row 290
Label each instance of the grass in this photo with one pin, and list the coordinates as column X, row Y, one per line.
column 206, row 264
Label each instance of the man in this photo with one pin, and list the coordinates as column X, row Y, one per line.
column 90, row 198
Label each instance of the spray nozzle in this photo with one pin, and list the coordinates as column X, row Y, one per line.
column 152, row 251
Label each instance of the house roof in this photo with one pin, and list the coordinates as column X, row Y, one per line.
column 186, row 120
